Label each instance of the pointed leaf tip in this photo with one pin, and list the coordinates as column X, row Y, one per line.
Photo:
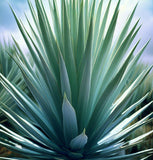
column 79, row 142
column 65, row 97
column 70, row 127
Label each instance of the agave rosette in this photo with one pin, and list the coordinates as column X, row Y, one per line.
column 77, row 83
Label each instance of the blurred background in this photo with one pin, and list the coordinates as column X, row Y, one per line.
column 144, row 11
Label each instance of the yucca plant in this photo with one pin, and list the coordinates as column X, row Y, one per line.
column 81, row 108
column 11, row 71
column 146, row 86
column 8, row 68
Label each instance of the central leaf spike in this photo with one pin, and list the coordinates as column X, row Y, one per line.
column 70, row 127
column 79, row 142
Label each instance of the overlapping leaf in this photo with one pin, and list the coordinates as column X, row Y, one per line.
column 80, row 81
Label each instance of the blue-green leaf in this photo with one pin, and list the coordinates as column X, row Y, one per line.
column 79, row 142
column 65, row 84
column 83, row 109
column 70, row 127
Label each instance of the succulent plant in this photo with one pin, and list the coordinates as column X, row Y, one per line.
column 8, row 69
column 81, row 107
column 11, row 71
column 146, row 86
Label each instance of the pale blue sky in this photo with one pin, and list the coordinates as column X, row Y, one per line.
column 144, row 10
column 6, row 17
